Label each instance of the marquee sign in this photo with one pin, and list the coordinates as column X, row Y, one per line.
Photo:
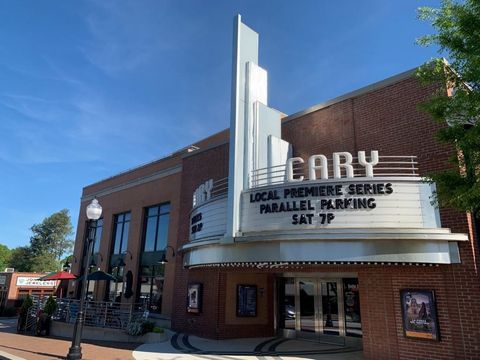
column 278, row 208
column 352, row 198
column 359, row 203
column 208, row 220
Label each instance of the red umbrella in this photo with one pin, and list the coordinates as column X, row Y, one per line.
column 61, row 275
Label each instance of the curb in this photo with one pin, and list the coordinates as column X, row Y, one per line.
column 6, row 356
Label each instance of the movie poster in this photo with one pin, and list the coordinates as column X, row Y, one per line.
column 194, row 301
column 419, row 314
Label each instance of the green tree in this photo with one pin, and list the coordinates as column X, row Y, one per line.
column 45, row 262
column 457, row 101
column 49, row 241
column 21, row 259
column 5, row 254
column 52, row 236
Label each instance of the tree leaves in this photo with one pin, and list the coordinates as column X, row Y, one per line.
column 52, row 235
column 457, row 102
column 5, row 254
column 49, row 241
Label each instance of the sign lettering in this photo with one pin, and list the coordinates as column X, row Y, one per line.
column 341, row 161
column 322, row 200
column 34, row 282
column 203, row 193
column 196, row 223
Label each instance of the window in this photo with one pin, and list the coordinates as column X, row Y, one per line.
column 93, row 259
column 150, row 283
column 98, row 236
column 156, row 227
column 96, row 244
column 115, row 288
column 120, row 233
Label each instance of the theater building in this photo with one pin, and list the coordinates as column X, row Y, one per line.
column 315, row 225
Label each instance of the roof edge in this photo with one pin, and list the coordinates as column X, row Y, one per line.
column 366, row 89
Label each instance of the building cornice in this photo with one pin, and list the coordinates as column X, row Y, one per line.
column 364, row 90
column 129, row 184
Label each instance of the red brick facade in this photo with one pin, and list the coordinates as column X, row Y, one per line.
column 384, row 117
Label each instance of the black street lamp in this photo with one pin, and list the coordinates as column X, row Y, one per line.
column 94, row 211
column 163, row 259
column 68, row 265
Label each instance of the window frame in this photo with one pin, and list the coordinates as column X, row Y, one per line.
column 158, row 215
column 122, row 236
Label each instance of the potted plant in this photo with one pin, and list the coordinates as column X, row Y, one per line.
column 44, row 317
column 139, row 327
column 22, row 314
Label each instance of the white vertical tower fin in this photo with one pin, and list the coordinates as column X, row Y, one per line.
column 252, row 123
column 245, row 49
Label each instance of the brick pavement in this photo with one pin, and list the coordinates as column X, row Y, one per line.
column 42, row 348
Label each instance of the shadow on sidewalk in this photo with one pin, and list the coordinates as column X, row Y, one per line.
column 34, row 352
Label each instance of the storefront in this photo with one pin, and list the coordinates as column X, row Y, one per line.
column 318, row 305
column 315, row 225
column 15, row 286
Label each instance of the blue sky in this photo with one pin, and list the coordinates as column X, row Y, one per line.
column 91, row 88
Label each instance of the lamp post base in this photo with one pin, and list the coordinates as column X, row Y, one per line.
column 74, row 353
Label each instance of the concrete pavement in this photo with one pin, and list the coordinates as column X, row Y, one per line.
column 182, row 346
column 15, row 346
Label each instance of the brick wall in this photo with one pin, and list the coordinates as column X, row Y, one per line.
column 386, row 119
column 198, row 168
column 133, row 199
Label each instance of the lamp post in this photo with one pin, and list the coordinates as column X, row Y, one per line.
column 94, row 211
column 163, row 259
column 68, row 265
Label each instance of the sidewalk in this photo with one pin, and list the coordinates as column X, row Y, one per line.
column 42, row 348
column 15, row 346
column 182, row 346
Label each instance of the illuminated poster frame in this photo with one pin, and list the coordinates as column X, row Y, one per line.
column 194, row 298
column 419, row 314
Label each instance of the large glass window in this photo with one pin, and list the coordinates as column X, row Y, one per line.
column 150, row 283
column 353, row 322
column 98, row 236
column 115, row 288
column 156, row 227
column 120, row 233
column 96, row 244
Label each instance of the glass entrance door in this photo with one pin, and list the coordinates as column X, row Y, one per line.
column 315, row 307
column 308, row 305
column 330, row 309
